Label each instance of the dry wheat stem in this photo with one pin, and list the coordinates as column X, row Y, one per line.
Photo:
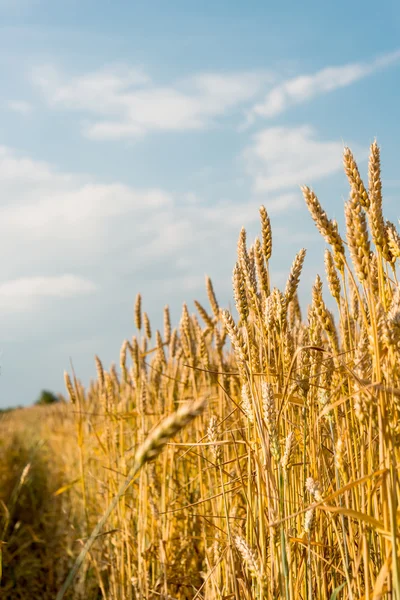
column 149, row 450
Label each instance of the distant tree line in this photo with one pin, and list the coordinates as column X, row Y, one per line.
column 44, row 399
column 47, row 397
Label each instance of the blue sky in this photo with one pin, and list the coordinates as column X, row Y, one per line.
column 136, row 138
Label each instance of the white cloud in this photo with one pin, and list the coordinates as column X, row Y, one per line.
column 123, row 102
column 81, row 208
column 99, row 92
column 235, row 215
column 281, row 157
column 63, row 222
column 54, row 222
column 21, row 107
column 118, row 102
column 305, row 87
column 39, row 200
column 20, row 294
column 13, row 168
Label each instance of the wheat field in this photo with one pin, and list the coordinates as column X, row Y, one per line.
column 248, row 456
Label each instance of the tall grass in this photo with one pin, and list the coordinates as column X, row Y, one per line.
column 286, row 485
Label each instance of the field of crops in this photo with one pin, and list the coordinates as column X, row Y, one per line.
column 237, row 456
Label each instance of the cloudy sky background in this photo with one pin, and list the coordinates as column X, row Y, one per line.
column 136, row 138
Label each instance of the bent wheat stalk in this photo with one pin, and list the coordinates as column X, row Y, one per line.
column 149, row 450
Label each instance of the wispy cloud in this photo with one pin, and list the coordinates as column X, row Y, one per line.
column 119, row 101
column 14, row 168
column 123, row 102
column 52, row 222
column 280, row 158
column 305, row 87
column 42, row 204
column 20, row 294
column 21, row 107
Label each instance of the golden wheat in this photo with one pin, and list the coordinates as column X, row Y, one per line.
column 286, row 484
